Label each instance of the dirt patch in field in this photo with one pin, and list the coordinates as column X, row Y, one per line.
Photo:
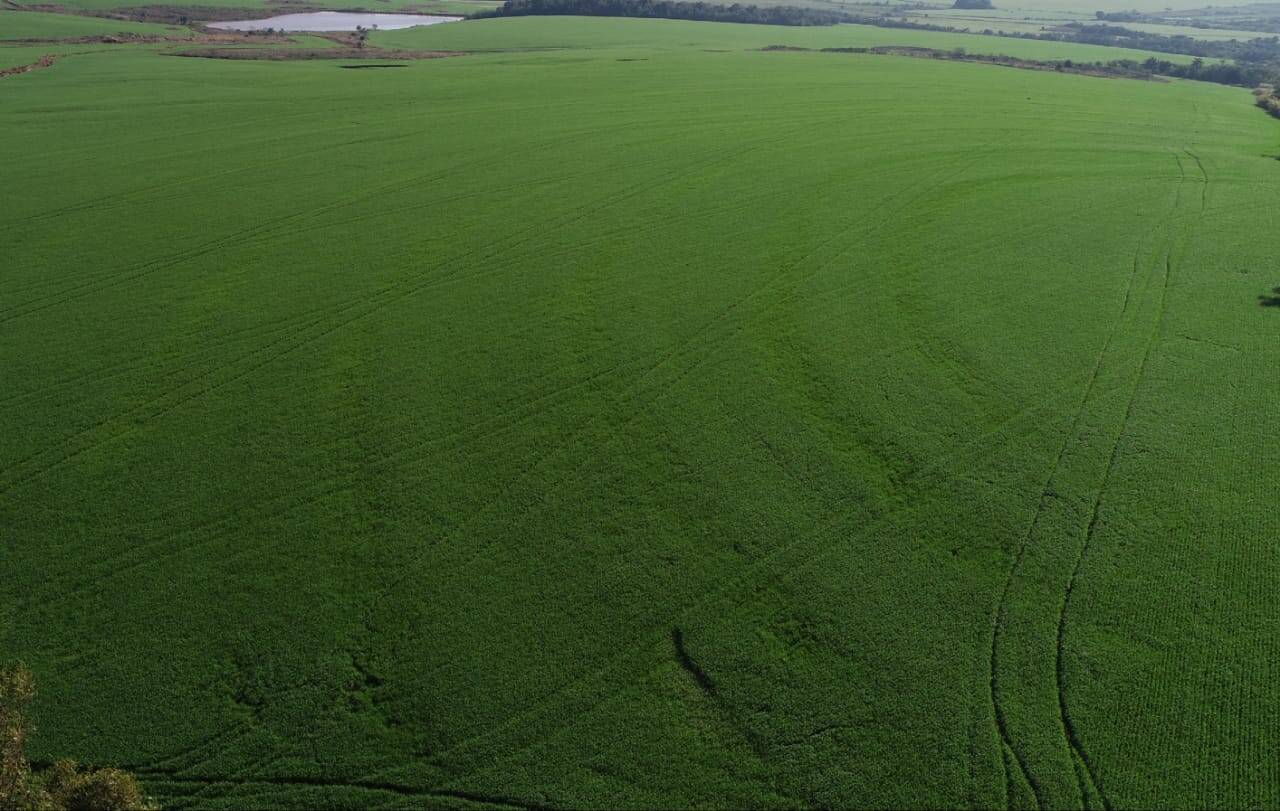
column 43, row 62
column 292, row 54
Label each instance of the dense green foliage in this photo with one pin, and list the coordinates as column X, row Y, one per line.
column 1257, row 50
column 1253, row 17
column 629, row 417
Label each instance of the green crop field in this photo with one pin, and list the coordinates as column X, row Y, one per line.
column 619, row 415
column 35, row 25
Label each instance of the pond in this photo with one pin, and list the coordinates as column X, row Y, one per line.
column 332, row 21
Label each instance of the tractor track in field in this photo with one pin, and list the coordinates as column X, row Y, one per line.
column 374, row 300
column 1088, row 778
column 215, row 528
column 348, row 313
column 213, row 346
column 283, row 222
column 1175, row 244
column 242, row 237
column 705, row 341
column 107, row 373
column 398, row 184
column 1010, row 748
column 641, row 643
column 630, row 650
column 772, row 284
column 266, row 783
column 218, row 527
column 671, row 354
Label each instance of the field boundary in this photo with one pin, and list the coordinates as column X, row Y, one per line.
column 45, row 61
column 1101, row 70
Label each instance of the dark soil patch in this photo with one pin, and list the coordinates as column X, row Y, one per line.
column 43, row 62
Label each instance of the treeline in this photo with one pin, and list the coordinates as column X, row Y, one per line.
column 1248, row 75
column 1267, row 23
column 670, row 10
column 1119, row 68
column 1120, row 16
column 1254, row 61
column 1260, row 49
column 1151, row 68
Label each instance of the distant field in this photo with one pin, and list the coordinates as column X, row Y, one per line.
column 32, row 25
column 1197, row 33
column 598, row 32
column 1027, row 21
column 622, row 416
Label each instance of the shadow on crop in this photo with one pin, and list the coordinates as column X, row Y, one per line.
column 1272, row 300
column 686, row 661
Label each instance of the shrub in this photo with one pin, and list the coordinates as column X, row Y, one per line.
column 62, row 786
column 18, row 789
column 95, row 790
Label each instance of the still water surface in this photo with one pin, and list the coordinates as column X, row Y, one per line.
column 332, row 21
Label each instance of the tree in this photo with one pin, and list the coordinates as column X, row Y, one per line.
column 63, row 786
column 362, row 34
column 17, row 787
